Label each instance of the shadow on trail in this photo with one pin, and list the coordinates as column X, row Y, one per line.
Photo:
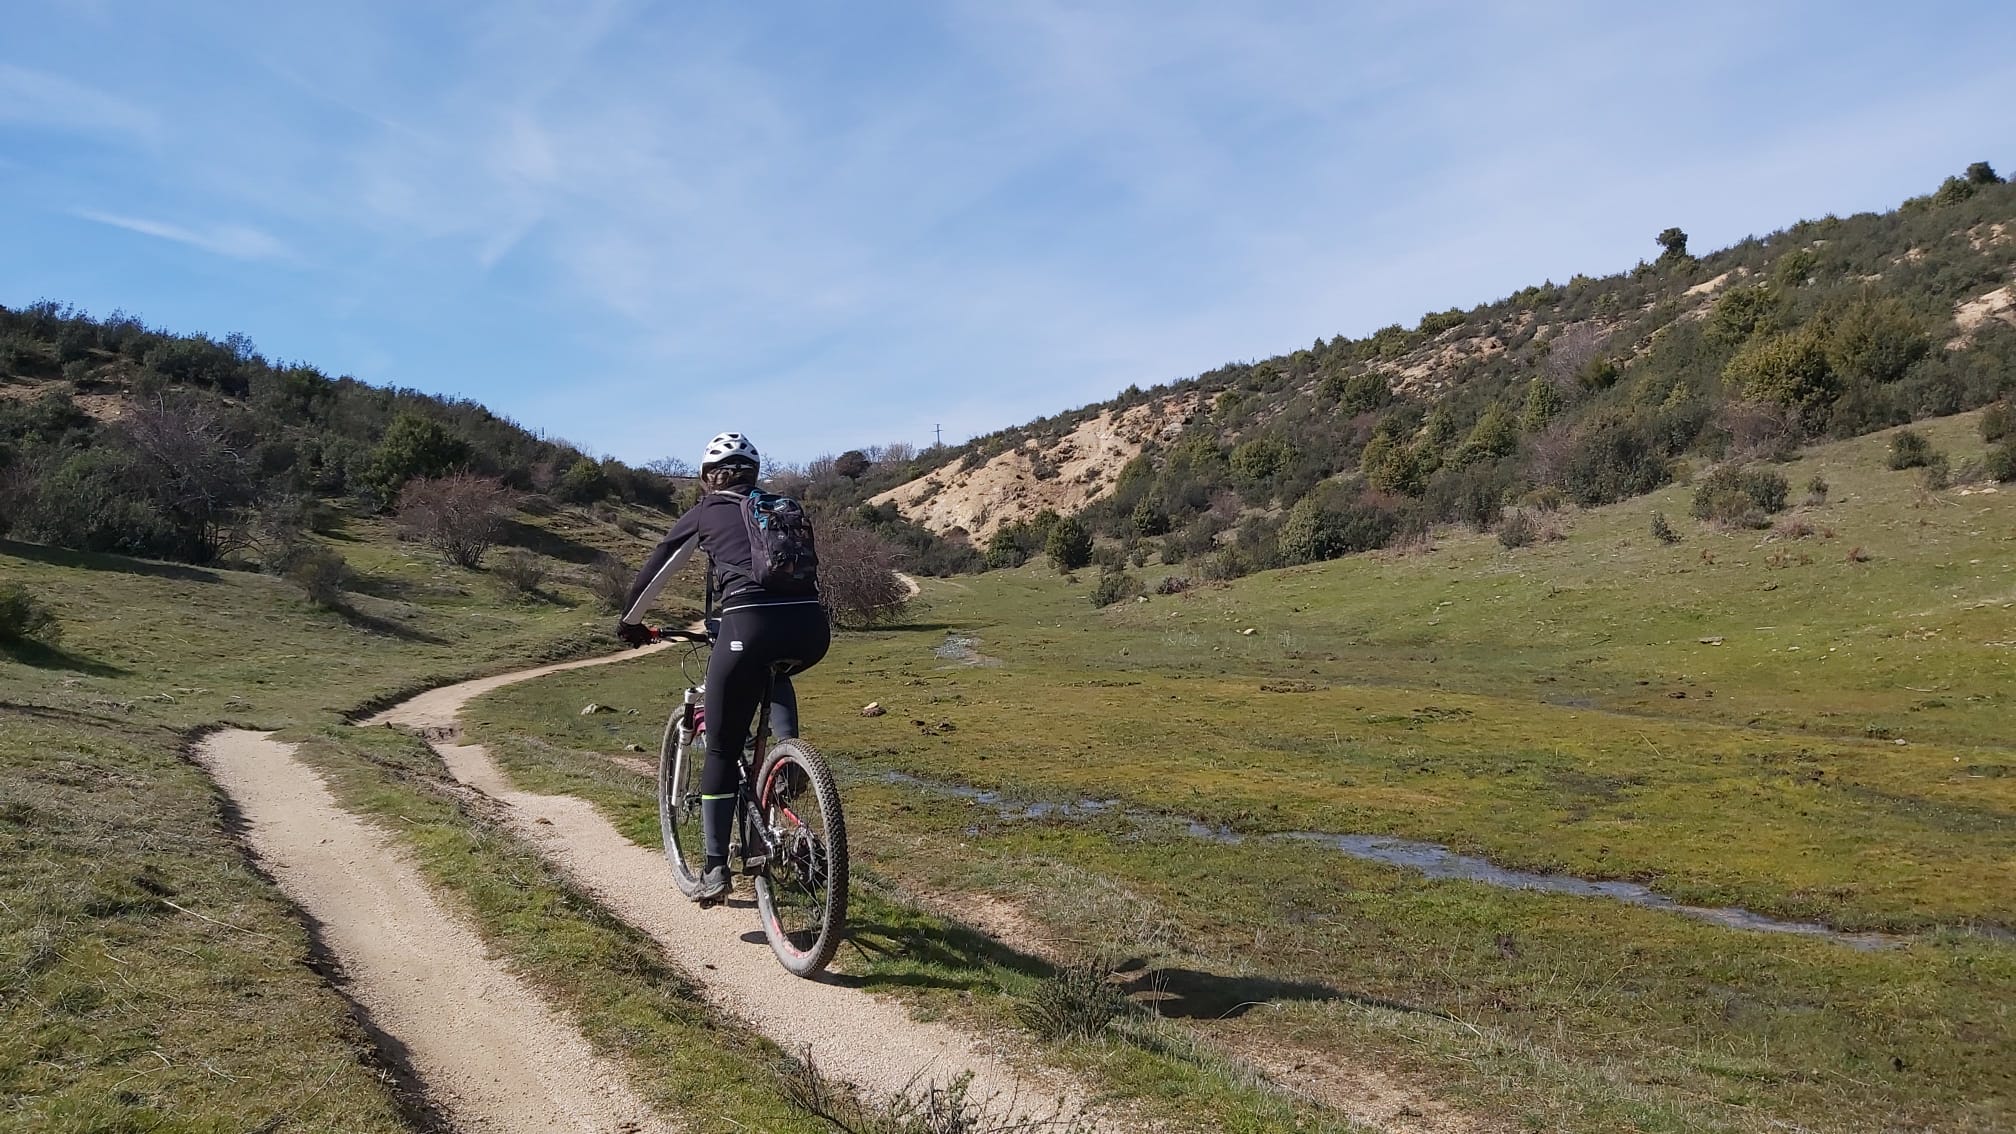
column 924, row 955
column 105, row 561
column 41, row 656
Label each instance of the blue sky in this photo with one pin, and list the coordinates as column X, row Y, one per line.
column 632, row 225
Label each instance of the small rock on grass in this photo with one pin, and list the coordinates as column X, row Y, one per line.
column 873, row 709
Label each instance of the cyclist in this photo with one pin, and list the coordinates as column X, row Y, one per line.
column 758, row 629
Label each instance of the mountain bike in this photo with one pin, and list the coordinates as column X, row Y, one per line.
column 792, row 838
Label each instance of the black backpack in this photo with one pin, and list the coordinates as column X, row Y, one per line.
column 782, row 558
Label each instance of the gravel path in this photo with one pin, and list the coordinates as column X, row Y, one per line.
column 492, row 1055
column 851, row 1033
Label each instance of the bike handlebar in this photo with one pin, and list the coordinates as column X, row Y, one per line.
column 668, row 634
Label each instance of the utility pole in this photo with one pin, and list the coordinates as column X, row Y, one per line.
column 939, row 430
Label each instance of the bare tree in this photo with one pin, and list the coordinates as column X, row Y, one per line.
column 194, row 468
column 1760, row 429
column 1569, row 350
column 857, row 576
column 672, row 468
column 460, row 515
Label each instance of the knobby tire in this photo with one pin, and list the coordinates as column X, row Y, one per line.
column 679, row 804
column 801, row 896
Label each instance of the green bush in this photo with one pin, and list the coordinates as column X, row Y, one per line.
column 1314, row 531
column 1261, row 458
column 2001, row 462
column 1363, row 392
column 1114, row 585
column 24, row 618
column 1875, row 340
column 1663, row 530
column 1910, row 450
column 1998, row 421
column 1790, row 369
column 1069, row 544
column 1740, row 497
column 1149, row 519
column 322, row 575
column 1613, row 458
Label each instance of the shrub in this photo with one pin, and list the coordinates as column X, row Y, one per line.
column 322, row 575
column 1816, row 492
column 1875, row 340
column 1519, row 529
column 24, row 618
column 1314, row 531
column 1261, row 458
column 857, row 576
column 1662, row 530
column 1076, row 1002
column 1739, row 497
column 1069, row 544
column 2001, row 462
column 459, row 516
column 413, row 446
column 1788, row 369
column 521, row 570
column 1998, row 421
column 1910, row 450
column 1935, row 474
column 1613, row 458
column 1224, row 565
column 609, row 580
column 1114, row 585
column 1172, row 585
column 1149, row 519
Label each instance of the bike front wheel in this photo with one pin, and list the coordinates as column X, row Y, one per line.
column 801, row 894
column 679, row 804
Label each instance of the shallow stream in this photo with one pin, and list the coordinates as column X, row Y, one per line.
column 1433, row 860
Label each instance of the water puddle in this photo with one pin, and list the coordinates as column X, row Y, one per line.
column 1431, row 860
column 1439, row 862
column 963, row 651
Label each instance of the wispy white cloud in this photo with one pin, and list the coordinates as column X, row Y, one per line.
column 43, row 100
column 239, row 242
column 877, row 218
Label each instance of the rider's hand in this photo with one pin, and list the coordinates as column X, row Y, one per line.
column 633, row 633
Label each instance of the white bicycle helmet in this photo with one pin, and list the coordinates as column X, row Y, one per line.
column 730, row 447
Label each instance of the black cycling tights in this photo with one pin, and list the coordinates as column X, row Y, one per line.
column 751, row 640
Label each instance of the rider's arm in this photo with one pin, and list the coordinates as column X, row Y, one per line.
column 664, row 562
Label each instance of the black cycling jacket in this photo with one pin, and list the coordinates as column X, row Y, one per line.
column 714, row 525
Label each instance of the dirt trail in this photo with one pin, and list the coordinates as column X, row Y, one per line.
column 493, row 1056
column 851, row 1033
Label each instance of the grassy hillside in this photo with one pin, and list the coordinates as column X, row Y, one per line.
column 1590, row 391
column 1719, row 718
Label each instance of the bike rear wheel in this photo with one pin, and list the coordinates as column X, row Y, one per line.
column 679, row 804
column 801, row 895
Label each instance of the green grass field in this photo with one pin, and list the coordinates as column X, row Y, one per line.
column 1719, row 719
column 149, row 979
